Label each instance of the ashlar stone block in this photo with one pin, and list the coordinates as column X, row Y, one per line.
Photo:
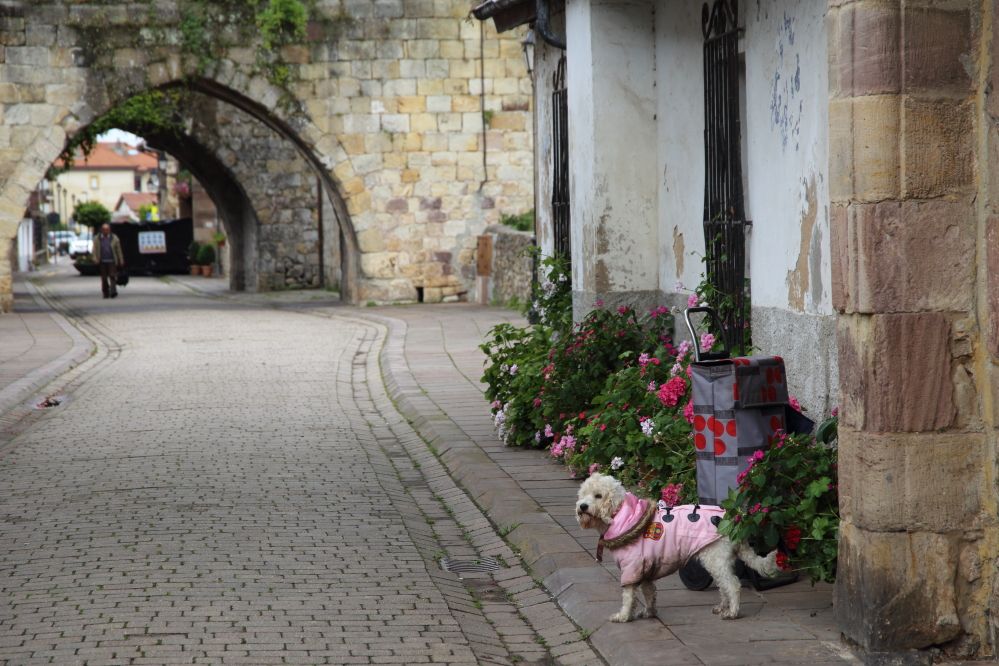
column 896, row 591
column 925, row 482
column 896, row 372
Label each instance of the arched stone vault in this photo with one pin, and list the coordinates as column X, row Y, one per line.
column 389, row 104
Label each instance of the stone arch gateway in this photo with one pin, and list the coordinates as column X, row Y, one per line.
column 415, row 121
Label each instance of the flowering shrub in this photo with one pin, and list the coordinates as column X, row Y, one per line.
column 515, row 357
column 787, row 499
column 578, row 364
column 639, row 424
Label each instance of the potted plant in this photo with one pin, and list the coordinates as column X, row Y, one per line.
column 219, row 239
column 206, row 259
column 192, row 257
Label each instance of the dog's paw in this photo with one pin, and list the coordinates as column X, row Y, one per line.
column 620, row 617
column 718, row 610
column 648, row 613
column 728, row 615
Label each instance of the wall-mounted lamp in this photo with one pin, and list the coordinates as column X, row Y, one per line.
column 528, row 46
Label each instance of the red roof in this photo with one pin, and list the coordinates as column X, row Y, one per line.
column 113, row 156
column 136, row 200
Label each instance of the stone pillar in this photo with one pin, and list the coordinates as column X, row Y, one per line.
column 612, row 135
column 917, row 482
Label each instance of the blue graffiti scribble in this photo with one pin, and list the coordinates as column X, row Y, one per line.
column 783, row 115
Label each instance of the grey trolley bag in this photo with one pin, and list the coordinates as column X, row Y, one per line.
column 740, row 405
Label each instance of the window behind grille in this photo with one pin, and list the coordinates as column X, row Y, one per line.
column 724, row 207
column 560, row 167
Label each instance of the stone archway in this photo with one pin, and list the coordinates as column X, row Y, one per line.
column 228, row 195
column 417, row 123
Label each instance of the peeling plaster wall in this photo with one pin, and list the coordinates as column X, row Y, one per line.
column 785, row 145
column 612, row 106
column 787, row 122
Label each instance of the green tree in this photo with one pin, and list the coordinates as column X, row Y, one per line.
column 92, row 214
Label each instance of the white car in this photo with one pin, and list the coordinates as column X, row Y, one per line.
column 80, row 247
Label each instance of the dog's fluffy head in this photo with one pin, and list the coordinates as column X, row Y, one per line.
column 599, row 498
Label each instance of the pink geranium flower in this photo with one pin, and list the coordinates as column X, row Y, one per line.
column 671, row 392
column 671, row 494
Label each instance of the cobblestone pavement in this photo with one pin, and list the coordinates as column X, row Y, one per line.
column 229, row 483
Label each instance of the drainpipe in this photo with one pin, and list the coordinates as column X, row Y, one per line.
column 543, row 26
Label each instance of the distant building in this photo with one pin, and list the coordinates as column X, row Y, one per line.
column 108, row 172
column 129, row 204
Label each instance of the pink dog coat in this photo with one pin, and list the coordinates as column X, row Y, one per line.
column 673, row 536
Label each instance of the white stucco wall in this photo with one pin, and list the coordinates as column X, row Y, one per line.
column 612, row 107
column 680, row 145
column 786, row 160
column 785, row 140
column 787, row 137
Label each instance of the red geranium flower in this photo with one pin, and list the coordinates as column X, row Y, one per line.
column 783, row 561
column 792, row 538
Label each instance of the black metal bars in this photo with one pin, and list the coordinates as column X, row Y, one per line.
column 560, row 166
column 724, row 212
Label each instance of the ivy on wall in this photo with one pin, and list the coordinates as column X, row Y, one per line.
column 206, row 31
column 149, row 112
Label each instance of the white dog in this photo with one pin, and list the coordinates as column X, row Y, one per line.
column 652, row 541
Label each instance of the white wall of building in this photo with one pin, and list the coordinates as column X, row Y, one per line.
column 612, row 109
column 785, row 162
column 110, row 185
column 788, row 156
column 680, row 145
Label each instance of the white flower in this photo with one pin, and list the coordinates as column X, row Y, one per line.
column 704, row 304
column 504, row 368
column 537, row 437
column 617, row 463
column 678, row 286
column 513, row 369
column 648, row 427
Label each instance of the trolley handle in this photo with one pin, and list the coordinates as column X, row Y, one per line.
column 706, row 355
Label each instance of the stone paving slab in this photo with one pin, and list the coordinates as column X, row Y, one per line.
column 432, row 365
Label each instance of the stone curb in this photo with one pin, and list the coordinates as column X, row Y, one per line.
column 586, row 593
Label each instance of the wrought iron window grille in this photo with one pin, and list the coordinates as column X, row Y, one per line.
column 725, row 220
column 562, row 244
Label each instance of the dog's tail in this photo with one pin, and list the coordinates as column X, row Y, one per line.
column 765, row 566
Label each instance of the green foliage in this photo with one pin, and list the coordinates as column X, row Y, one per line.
column 144, row 211
column 522, row 222
column 209, row 29
column 150, row 112
column 91, row 214
column 192, row 252
column 206, row 255
column 281, row 22
column 516, row 356
column 647, row 432
column 788, row 500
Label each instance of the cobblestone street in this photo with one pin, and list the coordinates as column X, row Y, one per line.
column 228, row 483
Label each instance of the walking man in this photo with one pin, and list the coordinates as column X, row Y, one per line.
column 108, row 255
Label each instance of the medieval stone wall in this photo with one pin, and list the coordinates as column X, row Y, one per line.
column 417, row 118
column 910, row 154
column 281, row 187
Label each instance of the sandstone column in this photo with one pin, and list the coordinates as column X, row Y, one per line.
column 611, row 88
column 917, row 551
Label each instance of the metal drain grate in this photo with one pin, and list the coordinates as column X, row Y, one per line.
column 455, row 565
